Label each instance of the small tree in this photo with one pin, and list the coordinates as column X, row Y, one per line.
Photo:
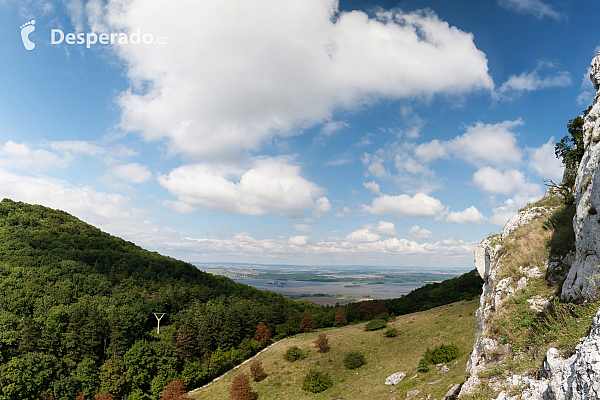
column 354, row 360
column 316, row 382
column 80, row 396
column 174, row 391
column 241, row 389
column 322, row 343
column 257, row 371
column 340, row 317
column 293, row 354
column 307, row 323
column 262, row 333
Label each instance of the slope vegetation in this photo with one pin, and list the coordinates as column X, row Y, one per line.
column 450, row 324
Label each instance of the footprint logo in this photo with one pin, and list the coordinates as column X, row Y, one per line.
column 26, row 29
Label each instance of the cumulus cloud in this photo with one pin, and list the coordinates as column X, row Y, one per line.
column 543, row 161
column 372, row 186
column 322, row 207
column 537, row 8
column 507, row 183
column 419, row 205
column 470, row 216
column 220, row 88
column 299, row 240
column 364, row 235
column 481, row 144
column 127, row 173
column 20, row 156
column 420, row 233
column 385, row 228
column 272, row 185
column 531, row 81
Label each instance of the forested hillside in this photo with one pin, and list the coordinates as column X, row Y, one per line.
column 76, row 313
column 77, row 304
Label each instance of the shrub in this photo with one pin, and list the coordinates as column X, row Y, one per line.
column 375, row 324
column 391, row 332
column 439, row 355
column 293, row 354
column 322, row 343
column 241, row 389
column 316, row 382
column 354, row 360
column 257, row 371
column 104, row 396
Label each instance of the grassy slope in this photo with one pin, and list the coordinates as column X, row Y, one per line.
column 452, row 323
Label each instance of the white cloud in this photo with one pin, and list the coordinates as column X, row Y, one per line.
column 271, row 185
column 303, row 227
column 481, row 144
column 586, row 97
column 331, row 127
column 385, row 228
column 419, row 205
column 372, row 186
column 127, row 173
column 299, row 240
column 420, row 233
column 535, row 7
column 322, row 206
column 20, row 156
column 364, row 235
column 431, row 150
column 347, row 249
column 484, row 144
column 374, row 163
column 543, row 161
column 531, row 81
column 507, row 183
column 220, row 88
column 470, row 216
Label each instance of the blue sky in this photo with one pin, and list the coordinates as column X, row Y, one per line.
column 314, row 132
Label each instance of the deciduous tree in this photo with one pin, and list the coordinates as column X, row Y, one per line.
column 256, row 370
column 241, row 389
column 307, row 323
column 340, row 317
column 174, row 391
column 262, row 333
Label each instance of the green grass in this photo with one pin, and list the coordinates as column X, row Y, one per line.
column 453, row 323
column 529, row 333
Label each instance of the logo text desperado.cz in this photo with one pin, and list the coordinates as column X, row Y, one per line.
column 57, row 36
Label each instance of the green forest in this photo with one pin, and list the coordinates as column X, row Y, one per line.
column 77, row 304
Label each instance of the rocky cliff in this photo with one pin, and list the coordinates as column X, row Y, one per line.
column 579, row 282
column 528, row 343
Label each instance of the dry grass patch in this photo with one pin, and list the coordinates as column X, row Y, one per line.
column 384, row 356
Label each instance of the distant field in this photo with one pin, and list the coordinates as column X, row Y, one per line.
column 327, row 300
column 454, row 323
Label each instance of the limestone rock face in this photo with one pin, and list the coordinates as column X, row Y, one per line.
column 576, row 378
column 586, row 222
column 395, row 378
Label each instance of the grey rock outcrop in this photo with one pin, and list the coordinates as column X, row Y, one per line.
column 580, row 283
column 395, row 378
column 575, row 378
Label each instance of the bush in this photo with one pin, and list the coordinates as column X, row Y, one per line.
column 354, row 360
column 375, row 324
column 293, row 354
column 391, row 332
column 322, row 343
column 439, row 355
column 316, row 382
column 257, row 371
